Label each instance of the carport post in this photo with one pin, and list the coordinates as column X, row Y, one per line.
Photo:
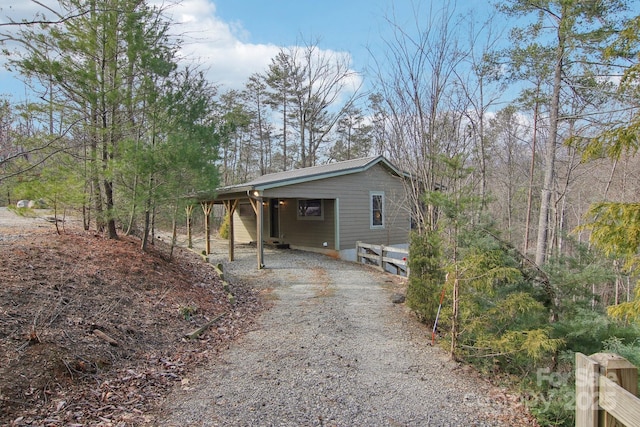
column 260, row 230
column 231, row 208
column 256, row 202
column 206, row 209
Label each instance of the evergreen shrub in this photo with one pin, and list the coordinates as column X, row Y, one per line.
column 427, row 276
column 224, row 228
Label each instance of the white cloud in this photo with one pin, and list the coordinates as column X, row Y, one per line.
column 218, row 47
column 213, row 45
column 222, row 49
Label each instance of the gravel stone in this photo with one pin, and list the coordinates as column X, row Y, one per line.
column 333, row 350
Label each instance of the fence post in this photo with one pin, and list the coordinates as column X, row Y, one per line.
column 358, row 257
column 622, row 372
column 381, row 262
column 587, row 372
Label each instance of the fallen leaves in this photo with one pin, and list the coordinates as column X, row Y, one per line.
column 91, row 332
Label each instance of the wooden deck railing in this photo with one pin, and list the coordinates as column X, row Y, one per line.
column 378, row 255
column 606, row 389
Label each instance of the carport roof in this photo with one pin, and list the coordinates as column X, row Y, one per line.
column 313, row 173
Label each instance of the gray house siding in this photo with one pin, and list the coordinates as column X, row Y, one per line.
column 303, row 233
column 355, row 209
column 244, row 224
column 353, row 193
column 308, row 233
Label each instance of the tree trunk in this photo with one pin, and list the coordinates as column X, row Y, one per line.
column 95, row 180
column 174, row 230
column 550, row 157
column 111, row 222
column 153, row 222
column 532, row 167
column 454, row 316
column 86, row 217
column 145, row 232
column 132, row 216
column 189, row 211
column 284, row 135
column 147, row 217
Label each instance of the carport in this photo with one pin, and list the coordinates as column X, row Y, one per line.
column 231, row 201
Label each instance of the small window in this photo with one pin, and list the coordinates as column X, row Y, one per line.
column 310, row 209
column 377, row 210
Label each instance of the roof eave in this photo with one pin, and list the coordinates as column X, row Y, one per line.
column 224, row 193
column 325, row 175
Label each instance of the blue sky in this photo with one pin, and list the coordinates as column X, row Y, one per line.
column 234, row 38
column 340, row 25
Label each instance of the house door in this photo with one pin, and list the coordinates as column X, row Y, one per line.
column 274, row 218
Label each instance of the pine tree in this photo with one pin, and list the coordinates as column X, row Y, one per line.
column 615, row 224
column 427, row 275
column 579, row 30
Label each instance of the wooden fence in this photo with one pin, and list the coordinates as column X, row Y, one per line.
column 379, row 255
column 606, row 391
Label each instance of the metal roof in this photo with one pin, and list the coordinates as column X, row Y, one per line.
column 313, row 173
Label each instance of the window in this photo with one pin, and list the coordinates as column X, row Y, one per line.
column 377, row 209
column 310, row 209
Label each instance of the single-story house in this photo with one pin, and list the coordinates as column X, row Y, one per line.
column 325, row 208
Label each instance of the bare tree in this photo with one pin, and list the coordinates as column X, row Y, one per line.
column 354, row 136
column 532, row 63
column 578, row 31
column 261, row 128
column 481, row 85
column 415, row 86
column 328, row 89
column 508, row 170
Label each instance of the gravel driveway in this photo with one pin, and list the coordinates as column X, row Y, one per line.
column 332, row 351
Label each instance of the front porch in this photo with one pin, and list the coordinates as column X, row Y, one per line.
column 307, row 224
